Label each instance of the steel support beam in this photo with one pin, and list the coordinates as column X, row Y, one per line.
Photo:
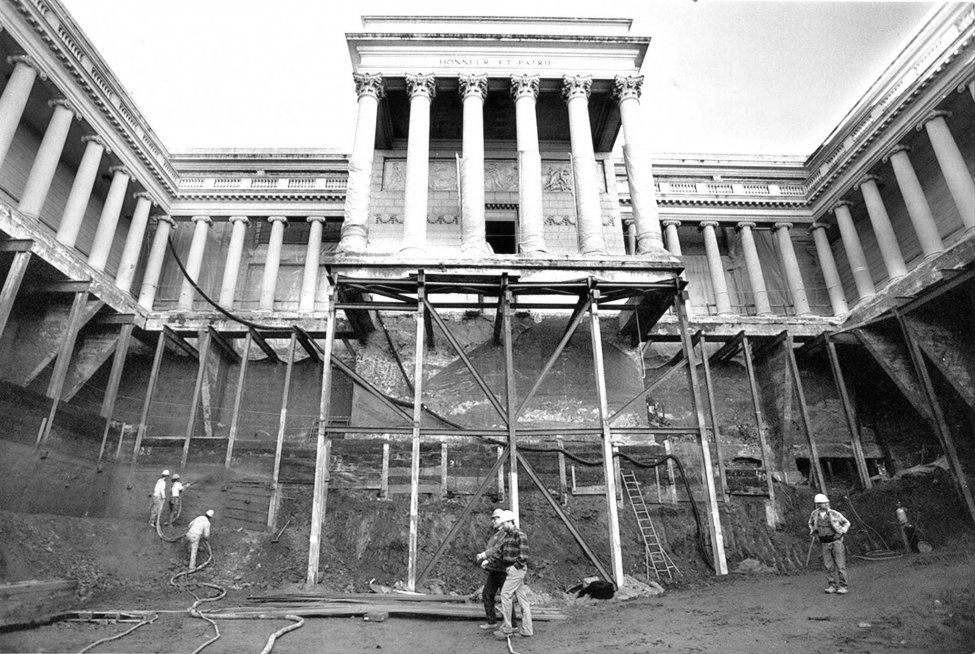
column 510, row 403
column 417, row 419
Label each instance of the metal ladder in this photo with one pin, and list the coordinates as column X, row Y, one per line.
column 656, row 558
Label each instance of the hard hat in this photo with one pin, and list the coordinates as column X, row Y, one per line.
column 820, row 499
column 165, row 473
column 506, row 516
column 175, row 475
column 209, row 513
column 497, row 513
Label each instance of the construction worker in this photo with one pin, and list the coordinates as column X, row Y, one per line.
column 830, row 526
column 175, row 499
column 490, row 560
column 158, row 499
column 199, row 529
column 514, row 555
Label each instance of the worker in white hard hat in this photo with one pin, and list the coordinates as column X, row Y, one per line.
column 199, row 530
column 490, row 561
column 175, row 499
column 158, row 499
column 830, row 526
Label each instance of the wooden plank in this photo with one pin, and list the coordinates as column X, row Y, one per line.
column 713, row 410
column 282, row 425
column 75, row 320
column 848, row 412
column 31, row 602
column 384, row 478
column 759, row 422
column 11, row 285
column 201, row 371
column 804, row 413
column 238, row 399
column 419, row 351
column 114, row 378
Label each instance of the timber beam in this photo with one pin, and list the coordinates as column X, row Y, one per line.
column 180, row 343
column 264, row 345
column 308, row 344
column 223, row 346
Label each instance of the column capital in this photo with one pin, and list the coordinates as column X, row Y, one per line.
column 524, row 86
column 841, row 203
column 783, row 225
column 866, row 178
column 421, row 85
column 627, row 87
column 932, row 116
column 707, row 223
column 64, row 103
column 900, row 147
column 369, row 85
column 97, row 140
column 668, row 222
column 116, row 170
column 27, row 60
column 143, row 195
column 163, row 218
column 817, row 225
column 745, row 224
column 278, row 219
column 244, row 220
column 576, row 86
column 315, row 219
column 202, row 219
column 473, row 86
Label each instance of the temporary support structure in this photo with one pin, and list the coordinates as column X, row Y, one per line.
column 114, row 377
column 848, row 412
column 75, row 320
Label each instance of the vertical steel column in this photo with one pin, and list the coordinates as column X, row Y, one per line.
column 11, row 284
column 238, row 399
column 272, row 513
column 417, row 419
column 609, row 468
column 510, row 400
column 203, row 346
column 322, row 448
column 114, row 378
column 851, row 420
column 713, row 409
column 714, row 518
column 759, row 421
column 150, row 388
column 815, row 465
column 56, row 385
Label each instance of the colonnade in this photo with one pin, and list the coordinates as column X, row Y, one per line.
column 524, row 90
column 961, row 187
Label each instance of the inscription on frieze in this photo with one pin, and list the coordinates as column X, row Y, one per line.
column 499, row 176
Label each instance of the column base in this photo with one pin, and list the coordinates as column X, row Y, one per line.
column 352, row 244
column 931, row 256
column 413, row 251
column 480, row 249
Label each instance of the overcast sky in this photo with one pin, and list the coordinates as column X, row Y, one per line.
column 722, row 77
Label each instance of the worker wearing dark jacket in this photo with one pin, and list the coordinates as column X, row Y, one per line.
column 490, row 560
column 514, row 555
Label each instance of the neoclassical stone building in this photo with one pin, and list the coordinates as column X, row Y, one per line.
column 500, row 201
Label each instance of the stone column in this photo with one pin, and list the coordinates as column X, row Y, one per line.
column 14, row 99
column 46, row 161
column 133, row 242
column 231, row 268
column 854, row 251
column 882, row 229
column 673, row 242
column 272, row 261
column 531, row 237
column 917, row 205
column 309, row 279
column 831, row 276
column 80, row 194
column 108, row 221
column 422, row 90
column 753, row 265
column 157, row 253
column 194, row 261
column 370, row 90
column 473, row 89
column 716, row 268
column 639, row 171
column 575, row 91
column 787, row 252
column 630, row 236
column 953, row 167
column 971, row 89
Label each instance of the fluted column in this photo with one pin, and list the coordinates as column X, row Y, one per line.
column 14, row 99
column 854, row 251
column 531, row 237
column 918, row 208
column 370, row 90
column 272, row 262
column 46, row 160
column 309, row 278
column 133, row 242
column 157, row 253
column 639, row 171
column 422, row 89
column 953, row 167
column 80, row 193
column 194, row 261
column 473, row 89
column 831, row 276
column 790, row 264
column 753, row 265
column 231, row 268
column 575, row 91
column 108, row 221
column 716, row 268
column 882, row 229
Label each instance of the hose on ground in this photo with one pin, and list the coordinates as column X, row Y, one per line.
column 879, row 555
column 145, row 621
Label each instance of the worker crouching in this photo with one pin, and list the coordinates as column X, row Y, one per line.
column 830, row 526
column 199, row 530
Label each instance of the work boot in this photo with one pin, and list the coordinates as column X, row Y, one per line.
column 842, row 590
column 489, row 625
column 830, row 589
